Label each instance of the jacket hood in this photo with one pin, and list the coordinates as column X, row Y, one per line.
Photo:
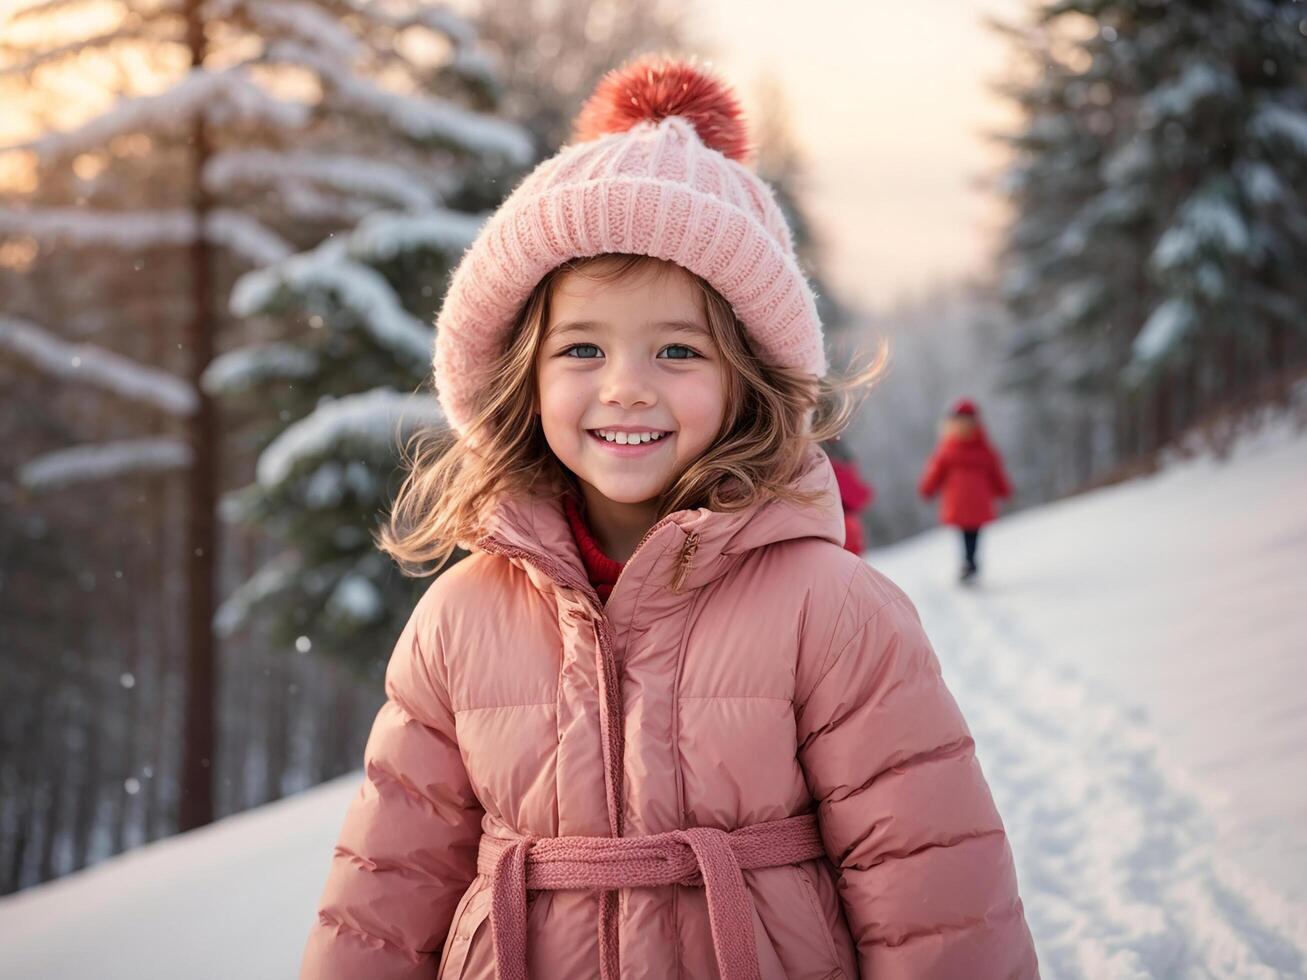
column 534, row 528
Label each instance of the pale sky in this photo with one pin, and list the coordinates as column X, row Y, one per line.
column 888, row 101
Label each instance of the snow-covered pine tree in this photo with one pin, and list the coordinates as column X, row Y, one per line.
column 1220, row 147
column 1054, row 283
column 1157, row 183
column 329, row 406
column 226, row 134
column 329, row 399
column 353, row 316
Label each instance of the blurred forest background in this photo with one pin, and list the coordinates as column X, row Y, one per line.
column 226, row 227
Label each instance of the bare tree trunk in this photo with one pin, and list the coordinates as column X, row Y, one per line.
column 88, row 792
column 1236, row 386
column 53, row 786
column 276, row 716
column 29, row 769
column 128, row 808
column 147, row 587
column 201, row 536
column 161, row 777
column 342, row 725
column 1277, row 360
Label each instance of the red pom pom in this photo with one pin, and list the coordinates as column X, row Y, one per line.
column 654, row 87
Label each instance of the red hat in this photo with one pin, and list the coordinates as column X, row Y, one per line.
column 964, row 406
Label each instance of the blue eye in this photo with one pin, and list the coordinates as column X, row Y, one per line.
column 688, row 355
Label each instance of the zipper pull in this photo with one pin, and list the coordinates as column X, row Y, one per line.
column 685, row 560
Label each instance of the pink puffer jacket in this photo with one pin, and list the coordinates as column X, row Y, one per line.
column 746, row 673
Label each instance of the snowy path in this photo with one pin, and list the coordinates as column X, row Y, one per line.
column 1131, row 865
column 1115, row 859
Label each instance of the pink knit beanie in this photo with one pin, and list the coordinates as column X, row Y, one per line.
column 655, row 171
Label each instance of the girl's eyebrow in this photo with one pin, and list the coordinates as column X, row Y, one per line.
column 681, row 326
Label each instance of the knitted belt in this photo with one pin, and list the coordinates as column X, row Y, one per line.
column 697, row 855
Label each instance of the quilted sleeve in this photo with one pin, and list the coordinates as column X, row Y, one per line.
column 925, row 872
column 407, row 851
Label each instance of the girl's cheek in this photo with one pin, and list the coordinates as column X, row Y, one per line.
column 697, row 407
column 702, row 392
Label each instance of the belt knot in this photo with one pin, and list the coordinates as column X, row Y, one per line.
column 693, row 856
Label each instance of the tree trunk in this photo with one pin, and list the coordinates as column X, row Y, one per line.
column 201, row 687
column 90, row 785
column 29, row 768
column 276, row 735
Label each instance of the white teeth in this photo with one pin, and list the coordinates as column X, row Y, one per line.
column 629, row 438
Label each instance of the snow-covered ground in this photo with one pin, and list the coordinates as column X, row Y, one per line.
column 1134, row 668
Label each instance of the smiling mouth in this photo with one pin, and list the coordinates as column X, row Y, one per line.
column 615, row 438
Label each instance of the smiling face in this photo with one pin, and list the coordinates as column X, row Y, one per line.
column 631, row 384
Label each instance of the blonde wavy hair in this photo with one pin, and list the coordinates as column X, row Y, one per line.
column 774, row 416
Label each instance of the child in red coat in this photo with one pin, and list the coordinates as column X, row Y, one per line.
column 856, row 494
column 969, row 472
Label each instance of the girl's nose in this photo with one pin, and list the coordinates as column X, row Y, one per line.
column 627, row 386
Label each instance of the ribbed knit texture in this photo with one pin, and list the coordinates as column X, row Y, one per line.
column 653, row 190
column 696, row 855
column 599, row 568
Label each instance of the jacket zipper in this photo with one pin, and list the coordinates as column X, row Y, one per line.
column 612, row 727
column 611, row 735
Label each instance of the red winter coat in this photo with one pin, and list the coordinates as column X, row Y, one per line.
column 745, row 670
column 856, row 495
column 970, row 474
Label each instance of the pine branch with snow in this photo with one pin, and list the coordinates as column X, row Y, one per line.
column 1155, row 228
column 89, row 364
column 351, row 152
column 79, row 465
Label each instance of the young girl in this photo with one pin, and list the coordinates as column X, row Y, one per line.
column 970, row 473
column 659, row 723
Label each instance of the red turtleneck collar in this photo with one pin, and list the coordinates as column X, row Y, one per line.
column 601, row 569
